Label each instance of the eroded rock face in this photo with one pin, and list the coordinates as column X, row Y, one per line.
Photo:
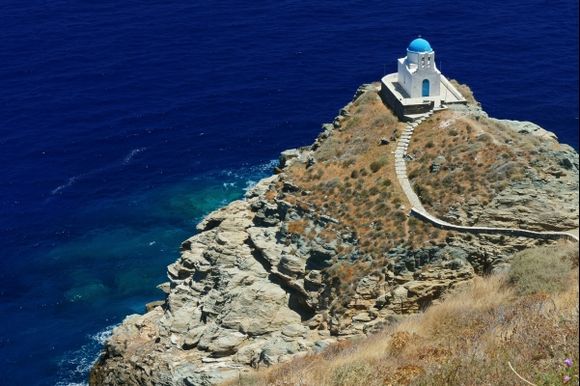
column 544, row 198
column 241, row 295
column 252, row 288
column 244, row 294
column 236, row 299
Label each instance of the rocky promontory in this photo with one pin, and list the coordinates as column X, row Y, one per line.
column 324, row 250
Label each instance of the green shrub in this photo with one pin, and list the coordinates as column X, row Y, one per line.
column 348, row 162
column 448, row 181
column 423, row 193
column 378, row 164
column 399, row 216
column 373, row 191
column 413, row 174
column 357, row 373
column 543, row 269
column 352, row 122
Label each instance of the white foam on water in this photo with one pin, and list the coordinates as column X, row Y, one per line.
column 75, row 365
column 250, row 173
column 72, row 180
column 132, row 154
column 102, row 336
column 250, row 184
column 67, row 184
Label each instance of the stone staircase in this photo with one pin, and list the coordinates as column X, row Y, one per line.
column 401, row 166
column 419, row 211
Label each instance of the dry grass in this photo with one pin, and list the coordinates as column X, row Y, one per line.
column 467, row 339
column 464, row 90
column 297, row 227
column 481, row 158
column 354, row 181
column 541, row 269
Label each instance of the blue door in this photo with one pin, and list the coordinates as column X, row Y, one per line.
column 425, row 88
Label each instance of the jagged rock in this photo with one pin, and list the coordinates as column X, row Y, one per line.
column 220, row 341
column 399, row 293
column 362, row 317
column 221, row 298
column 292, row 265
column 266, row 213
column 525, row 127
column 345, row 110
column 568, row 163
column 313, row 281
column 437, row 163
column 265, row 242
column 165, row 287
column 249, row 354
column 229, row 238
column 247, row 291
column 326, row 127
column 322, row 344
column 275, row 350
column 261, row 187
column 367, row 287
column 289, row 187
column 294, row 330
column 287, row 156
column 554, row 207
column 151, row 305
column 258, row 309
column 325, row 219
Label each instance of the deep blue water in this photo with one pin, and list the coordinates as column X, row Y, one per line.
column 123, row 122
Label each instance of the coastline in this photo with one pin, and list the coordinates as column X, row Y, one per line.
column 237, row 273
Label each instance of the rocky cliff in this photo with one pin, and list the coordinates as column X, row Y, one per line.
column 324, row 250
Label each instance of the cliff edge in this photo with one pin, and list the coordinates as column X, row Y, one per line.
column 324, row 250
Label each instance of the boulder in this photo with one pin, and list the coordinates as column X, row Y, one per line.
column 287, row 156
column 437, row 163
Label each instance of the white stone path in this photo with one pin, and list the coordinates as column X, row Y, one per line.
column 419, row 211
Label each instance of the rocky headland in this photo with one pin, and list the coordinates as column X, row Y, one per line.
column 325, row 250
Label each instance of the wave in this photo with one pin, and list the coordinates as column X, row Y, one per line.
column 260, row 171
column 75, row 365
column 72, row 180
column 102, row 336
column 132, row 154
column 247, row 176
column 67, row 184
column 252, row 171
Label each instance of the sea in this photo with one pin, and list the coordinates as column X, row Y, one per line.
column 122, row 123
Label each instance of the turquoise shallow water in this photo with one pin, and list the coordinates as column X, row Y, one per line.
column 114, row 255
column 123, row 122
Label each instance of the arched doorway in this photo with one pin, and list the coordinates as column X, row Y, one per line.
column 425, row 92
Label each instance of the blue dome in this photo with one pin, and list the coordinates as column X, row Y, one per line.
column 420, row 45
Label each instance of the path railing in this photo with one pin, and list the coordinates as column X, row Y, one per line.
column 420, row 212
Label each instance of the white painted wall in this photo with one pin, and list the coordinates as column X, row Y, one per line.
column 415, row 68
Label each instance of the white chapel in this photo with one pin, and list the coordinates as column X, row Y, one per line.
column 418, row 86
